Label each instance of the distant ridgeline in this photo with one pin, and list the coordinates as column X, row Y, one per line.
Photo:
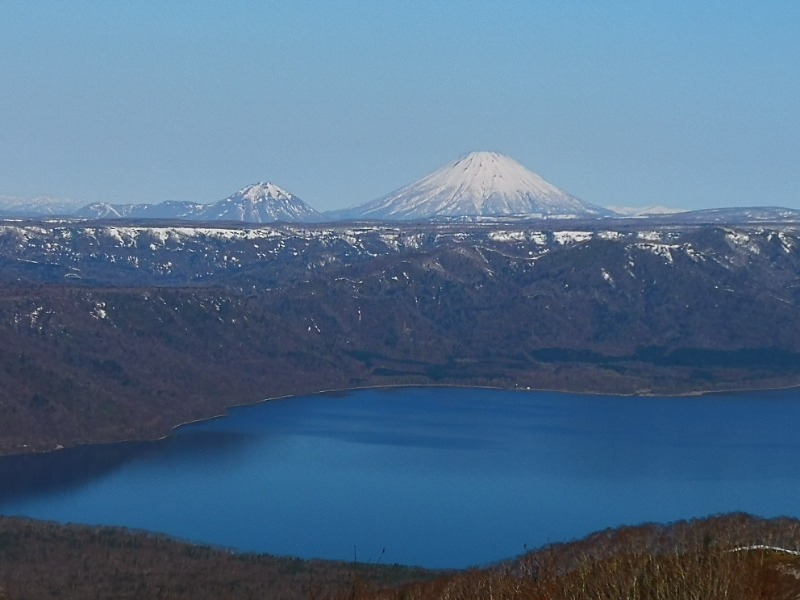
column 474, row 186
column 123, row 330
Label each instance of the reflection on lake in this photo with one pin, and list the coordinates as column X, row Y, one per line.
column 441, row 477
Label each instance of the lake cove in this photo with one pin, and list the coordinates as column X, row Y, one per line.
column 439, row 477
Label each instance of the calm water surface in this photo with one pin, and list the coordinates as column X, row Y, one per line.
column 435, row 476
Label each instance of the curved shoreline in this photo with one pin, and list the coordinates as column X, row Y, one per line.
column 645, row 394
column 225, row 413
column 692, row 394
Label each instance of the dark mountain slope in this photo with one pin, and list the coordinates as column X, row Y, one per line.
column 115, row 333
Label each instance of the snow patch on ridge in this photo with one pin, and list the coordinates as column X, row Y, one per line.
column 575, row 237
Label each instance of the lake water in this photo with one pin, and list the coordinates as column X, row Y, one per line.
column 439, row 477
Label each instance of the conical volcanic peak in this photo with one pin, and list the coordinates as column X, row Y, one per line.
column 476, row 184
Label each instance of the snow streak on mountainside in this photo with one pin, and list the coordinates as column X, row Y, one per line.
column 480, row 183
column 170, row 209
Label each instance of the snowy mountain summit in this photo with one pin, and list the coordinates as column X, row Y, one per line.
column 260, row 203
column 476, row 184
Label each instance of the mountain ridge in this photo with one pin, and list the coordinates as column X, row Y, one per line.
column 473, row 188
column 262, row 202
column 13, row 206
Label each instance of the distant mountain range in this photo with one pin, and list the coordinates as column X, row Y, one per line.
column 257, row 203
column 474, row 187
column 11, row 206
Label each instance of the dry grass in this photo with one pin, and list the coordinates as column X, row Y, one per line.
column 702, row 560
column 731, row 557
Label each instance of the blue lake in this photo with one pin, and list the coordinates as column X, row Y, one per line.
column 440, row 477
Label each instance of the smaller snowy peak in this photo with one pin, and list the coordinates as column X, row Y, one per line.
column 260, row 203
column 476, row 184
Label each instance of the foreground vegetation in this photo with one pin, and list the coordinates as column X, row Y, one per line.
column 42, row 560
column 728, row 557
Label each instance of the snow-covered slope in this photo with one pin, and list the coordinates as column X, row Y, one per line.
column 479, row 183
column 105, row 210
column 260, row 203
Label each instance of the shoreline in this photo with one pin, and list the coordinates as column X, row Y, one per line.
column 645, row 394
column 398, row 386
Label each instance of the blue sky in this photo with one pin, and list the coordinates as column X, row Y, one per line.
column 688, row 104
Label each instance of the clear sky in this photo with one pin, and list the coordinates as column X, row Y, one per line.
column 685, row 103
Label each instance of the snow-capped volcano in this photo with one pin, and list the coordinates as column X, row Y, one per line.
column 476, row 184
column 260, row 203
